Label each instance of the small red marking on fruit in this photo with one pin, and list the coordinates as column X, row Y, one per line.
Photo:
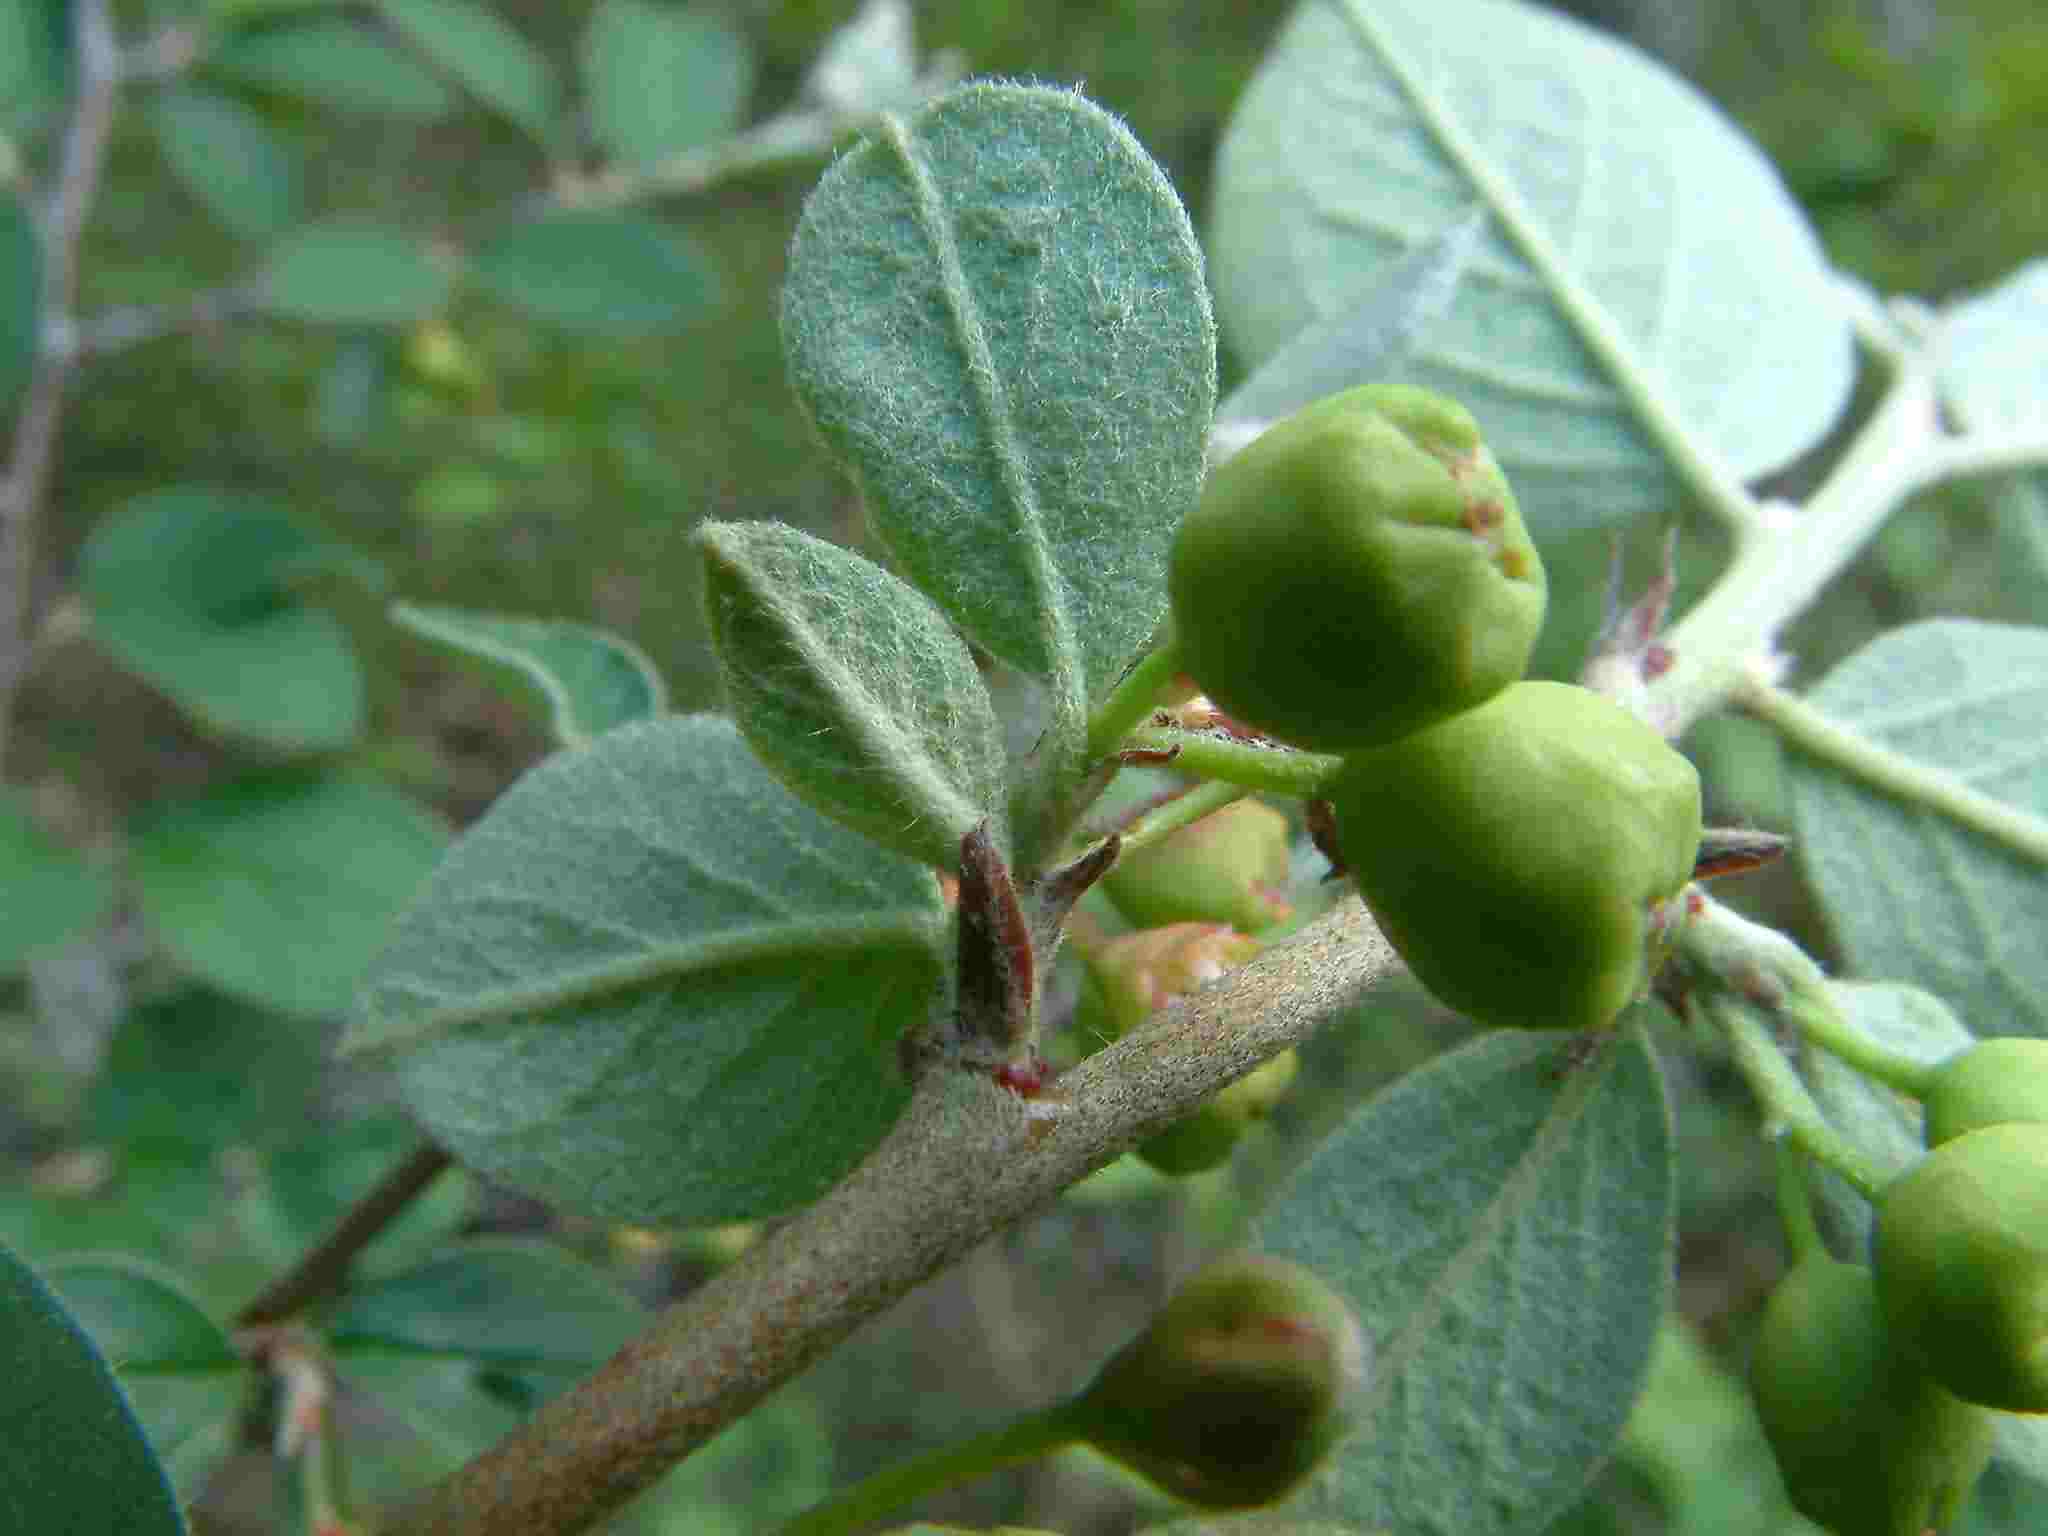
column 1484, row 516
column 1285, row 1328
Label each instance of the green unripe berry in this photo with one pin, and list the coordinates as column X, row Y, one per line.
column 1229, row 867
column 1518, row 855
column 1995, row 1082
column 1867, row 1444
column 1359, row 572
column 1237, row 1389
column 1962, row 1265
column 1136, row 973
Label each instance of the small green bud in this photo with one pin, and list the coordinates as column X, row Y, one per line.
column 1962, row 1265
column 1519, row 855
column 1236, row 1390
column 1867, row 1444
column 1995, row 1082
column 1357, row 573
column 1229, row 867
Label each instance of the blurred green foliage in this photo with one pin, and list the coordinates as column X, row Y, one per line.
column 493, row 463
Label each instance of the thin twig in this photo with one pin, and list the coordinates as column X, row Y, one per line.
column 326, row 1263
column 36, row 432
column 966, row 1160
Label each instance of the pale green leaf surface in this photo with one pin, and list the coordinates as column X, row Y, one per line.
column 651, row 984
column 191, row 587
column 853, row 689
column 1882, row 1125
column 334, row 61
column 228, row 159
column 1913, row 896
column 1994, row 356
column 996, row 316
column 2007, row 1502
column 1374, row 122
column 662, row 80
column 491, row 60
column 348, row 273
column 1500, row 1222
column 2021, row 1440
column 2019, row 542
column 506, row 1301
column 281, row 888
column 21, row 297
column 1365, row 342
column 62, row 1412
column 47, row 892
column 590, row 678
column 178, row 1368
column 598, row 274
column 869, row 63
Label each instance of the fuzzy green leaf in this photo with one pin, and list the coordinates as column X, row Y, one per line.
column 1500, row 1221
column 182, row 1376
column 662, row 80
column 651, row 984
column 61, row 1414
column 335, row 62
column 1915, row 896
column 590, row 678
column 996, row 316
column 853, row 690
column 228, row 159
column 1994, row 358
column 491, row 60
column 192, row 588
column 281, row 888
column 345, row 273
column 1373, row 123
column 597, row 274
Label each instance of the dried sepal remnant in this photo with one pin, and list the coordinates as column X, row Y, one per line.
column 997, row 1007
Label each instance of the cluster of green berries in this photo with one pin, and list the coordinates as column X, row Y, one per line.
column 1875, row 1384
column 1359, row 581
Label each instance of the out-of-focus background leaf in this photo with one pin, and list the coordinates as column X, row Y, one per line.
column 406, row 394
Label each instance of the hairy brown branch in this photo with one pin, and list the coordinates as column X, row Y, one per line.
column 966, row 1160
column 326, row 1263
column 27, row 481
